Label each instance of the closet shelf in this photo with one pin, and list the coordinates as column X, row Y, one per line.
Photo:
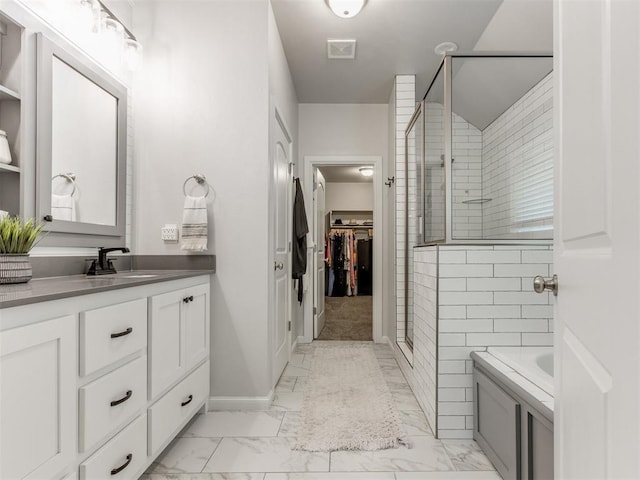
column 8, row 94
column 9, row 168
column 350, row 226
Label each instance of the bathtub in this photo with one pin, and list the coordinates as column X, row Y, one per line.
column 533, row 363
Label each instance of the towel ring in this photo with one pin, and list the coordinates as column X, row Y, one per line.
column 200, row 180
column 69, row 177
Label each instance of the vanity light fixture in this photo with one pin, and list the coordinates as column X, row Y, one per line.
column 91, row 15
column 104, row 21
column 346, row 8
column 366, row 171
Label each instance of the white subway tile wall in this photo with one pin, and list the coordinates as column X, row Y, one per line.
column 466, row 186
column 405, row 88
column 517, row 167
column 481, row 296
column 425, row 331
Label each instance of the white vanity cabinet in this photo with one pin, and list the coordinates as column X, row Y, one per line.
column 77, row 377
column 38, row 397
column 178, row 335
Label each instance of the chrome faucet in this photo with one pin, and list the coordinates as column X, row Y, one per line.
column 103, row 265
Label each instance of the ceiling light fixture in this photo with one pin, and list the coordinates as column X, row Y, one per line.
column 366, row 171
column 346, row 8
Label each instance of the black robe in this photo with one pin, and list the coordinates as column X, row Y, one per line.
column 300, row 230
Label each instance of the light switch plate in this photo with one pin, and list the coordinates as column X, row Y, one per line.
column 170, row 233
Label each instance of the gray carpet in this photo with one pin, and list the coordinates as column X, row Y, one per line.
column 348, row 318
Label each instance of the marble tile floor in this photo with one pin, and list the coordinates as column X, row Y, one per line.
column 256, row 445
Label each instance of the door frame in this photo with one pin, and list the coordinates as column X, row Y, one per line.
column 276, row 119
column 309, row 163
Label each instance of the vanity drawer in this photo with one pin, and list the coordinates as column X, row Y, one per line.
column 110, row 333
column 125, row 451
column 125, row 387
column 176, row 406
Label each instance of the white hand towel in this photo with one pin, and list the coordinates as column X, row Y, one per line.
column 194, row 224
column 63, row 207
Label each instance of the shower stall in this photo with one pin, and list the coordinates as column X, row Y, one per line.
column 478, row 212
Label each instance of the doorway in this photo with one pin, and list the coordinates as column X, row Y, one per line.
column 345, row 271
column 345, row 235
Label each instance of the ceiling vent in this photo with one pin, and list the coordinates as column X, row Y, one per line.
column 341, row 49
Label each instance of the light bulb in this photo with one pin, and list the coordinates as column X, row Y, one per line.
column 132, row 54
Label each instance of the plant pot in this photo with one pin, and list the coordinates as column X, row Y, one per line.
column 15, row 268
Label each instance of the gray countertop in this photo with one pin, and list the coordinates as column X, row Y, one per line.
column 55, row 288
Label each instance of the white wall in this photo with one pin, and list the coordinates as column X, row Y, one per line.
column 202, row 106
column 283, row 98
column 349, row 196
column 344, row 129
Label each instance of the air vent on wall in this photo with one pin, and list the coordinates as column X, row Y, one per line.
column 341, row 49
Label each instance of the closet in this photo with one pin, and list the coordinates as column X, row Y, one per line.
column 348, row 258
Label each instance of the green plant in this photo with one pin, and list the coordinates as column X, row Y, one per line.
column 17, row 236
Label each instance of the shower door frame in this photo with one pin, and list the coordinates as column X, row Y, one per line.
column 447, row 66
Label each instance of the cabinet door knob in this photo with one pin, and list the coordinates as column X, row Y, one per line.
column 185, row 300
column 126, row 397
column 191, row 298
column 123, row 333
column 187, row 402
column 48, row 218
column 116, row 471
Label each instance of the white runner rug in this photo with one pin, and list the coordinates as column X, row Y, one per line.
column 347, row 404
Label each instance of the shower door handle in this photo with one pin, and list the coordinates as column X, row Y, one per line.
column 540, row 284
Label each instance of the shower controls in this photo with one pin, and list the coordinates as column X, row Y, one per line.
column 540, row 284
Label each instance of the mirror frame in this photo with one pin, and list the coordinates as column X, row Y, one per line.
column 63, row 232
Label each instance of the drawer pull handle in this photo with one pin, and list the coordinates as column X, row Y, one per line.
column 188, row 401
column 123, row 333
column 126, row 397
column 116, row 471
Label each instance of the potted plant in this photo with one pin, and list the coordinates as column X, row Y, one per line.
column 17, row 238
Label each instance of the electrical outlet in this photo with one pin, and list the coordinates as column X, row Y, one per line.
column 170, row 233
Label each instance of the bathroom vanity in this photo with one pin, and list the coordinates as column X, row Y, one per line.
column 98, row 375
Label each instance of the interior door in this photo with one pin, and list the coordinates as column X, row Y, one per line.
column 597, row 108
column 318, row 228
column 281, row 215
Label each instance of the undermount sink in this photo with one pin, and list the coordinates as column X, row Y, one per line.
column 139, row 275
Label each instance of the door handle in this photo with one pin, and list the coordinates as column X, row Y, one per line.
column 278, row 266
column 540, row 284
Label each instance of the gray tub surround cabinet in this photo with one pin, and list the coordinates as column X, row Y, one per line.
column 513, row 420
column 95, row 381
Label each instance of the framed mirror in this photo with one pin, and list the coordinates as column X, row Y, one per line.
column 81, row 149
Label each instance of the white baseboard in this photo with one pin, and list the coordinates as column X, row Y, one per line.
column 240, row 403
column 302, row 339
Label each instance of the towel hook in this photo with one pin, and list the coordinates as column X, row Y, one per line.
column 69, row 177
column 200, row 180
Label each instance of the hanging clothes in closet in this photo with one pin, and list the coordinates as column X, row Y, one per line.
column 342, row 255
